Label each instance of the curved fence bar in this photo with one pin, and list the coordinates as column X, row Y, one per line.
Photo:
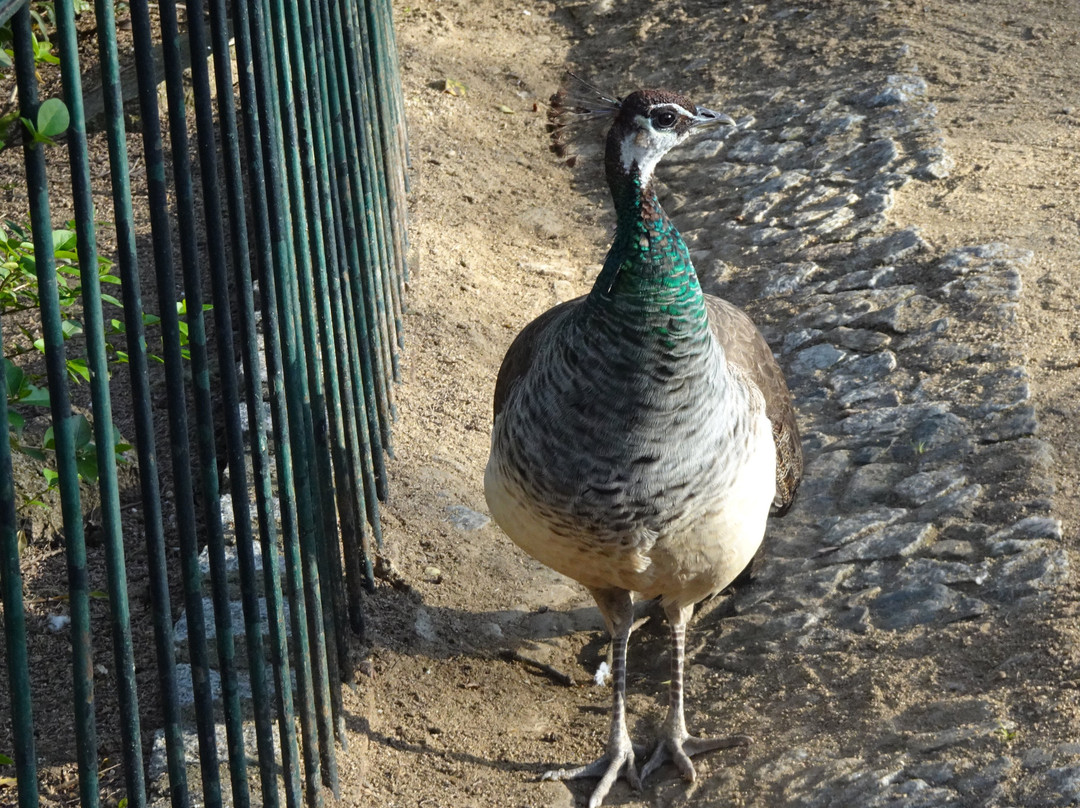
column 270, row 225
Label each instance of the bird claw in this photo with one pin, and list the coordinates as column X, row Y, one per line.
column 679, row 750
column 608, row 768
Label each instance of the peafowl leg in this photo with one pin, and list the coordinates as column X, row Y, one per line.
column 618, row 610
column 676, row 744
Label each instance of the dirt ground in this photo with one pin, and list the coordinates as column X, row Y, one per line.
column 500, row 234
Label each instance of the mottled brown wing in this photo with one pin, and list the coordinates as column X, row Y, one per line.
column 748, row 350
column 520, row 354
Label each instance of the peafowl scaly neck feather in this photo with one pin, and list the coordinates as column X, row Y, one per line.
column 648, row 276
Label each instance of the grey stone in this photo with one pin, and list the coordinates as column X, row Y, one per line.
column 817, row 357
column 898, row 89
column 797, row 338
column 955, row 504
column 871, row 396
column 916, row 605
column 1031, row 527
column 933, row 571
column 786, row 279
column 1030, row 572
column 1063, row 785
column 923, row 486
column 870, row 484
column 778, row 185
column 753, row 149
column 954, row 736
column 1019, row 422
column 757, row 208
column 831, row 223
column 841, row 530
column 910, row 314
column 862, row 279
column 862, row 371
column 933, row 164
column 859, row 339
column 466, row 518
column 953, row 548
column 887, row 543
column 1003, row 390
column 977, row 288
column 875, row 157
column 893, row 421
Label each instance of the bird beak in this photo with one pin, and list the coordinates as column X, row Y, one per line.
column 707, row 118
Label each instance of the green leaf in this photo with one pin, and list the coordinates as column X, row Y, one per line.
column 5, row 760
column 71, row 328
column 14, row 378
column 99, row 594
column 63, row 240
column 112, row 300
column 78, row 369
column 53, row 118
column 35, row 396
column 16, row 422
column 48, row 440
column 37, row 454
column 50, row 477
column 83, row 433
column 88, row 467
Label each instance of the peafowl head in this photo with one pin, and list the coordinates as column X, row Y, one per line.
column 648, row 124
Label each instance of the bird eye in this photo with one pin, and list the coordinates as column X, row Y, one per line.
column 664, row 118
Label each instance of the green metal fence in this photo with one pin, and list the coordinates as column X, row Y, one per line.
column 282, row 231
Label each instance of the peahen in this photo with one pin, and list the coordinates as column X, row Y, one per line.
column 643, row 431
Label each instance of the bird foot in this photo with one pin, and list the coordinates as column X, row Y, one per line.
column 680, row 748
column 618, row 760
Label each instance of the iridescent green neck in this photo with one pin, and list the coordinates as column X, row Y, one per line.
column 648, row 272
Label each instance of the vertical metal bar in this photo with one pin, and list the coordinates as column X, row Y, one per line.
column 284, row 367
column 18, row 665
column 380, row 269
column 253, row 124
column 349, row 191
column 361, row 256
column 141, row 410
column 393, row 200
column 295, row 118
column 357, row 549
column 204, row 406
column 215, row 240
column 323, row 199
column 144, row 429
column 174, row 383
column 362, row 291
column 357, row 369
column 123, row 651
column 63, row 426
column 332, row 339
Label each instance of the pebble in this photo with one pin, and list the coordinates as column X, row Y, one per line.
column 465, row 518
